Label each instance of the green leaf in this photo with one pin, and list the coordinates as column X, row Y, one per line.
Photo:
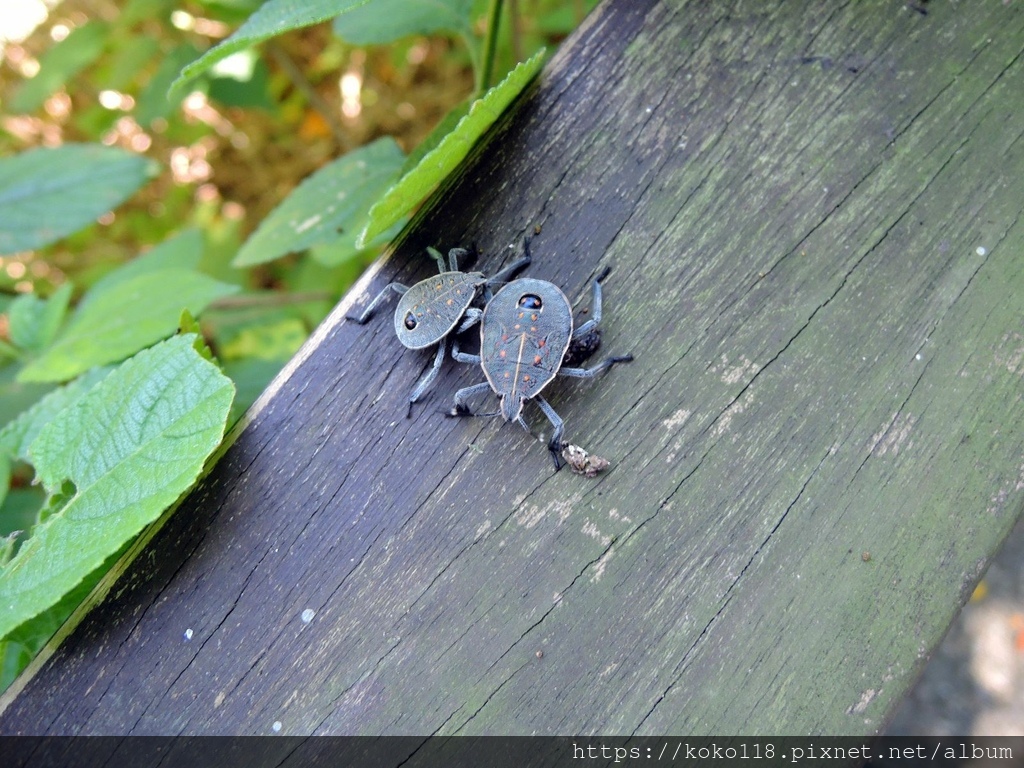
column 563, row 18
column 241, row 80
column 251, row 377
column 384, row 21
column 447, row 124
column 130, row 54
column 229, row 11
column 135, row 11
column 5, row 486
column 188, row 325
column 273, row 18
column 59, row 64
column 14, row 657
column 154, row 101
column 17, row 436
column 30, row 637
column 19, row 512
column 34, row 321
column 344, row 250
column 435, row 166
column 46, row 194
column 183, row 251
column 16, row 397
column 130, row 447
column 333, row 200
column 118, row 319
column 270, row 341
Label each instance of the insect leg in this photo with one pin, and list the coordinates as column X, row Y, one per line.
column 460, row 408
column 427, row 379
column 471, row 318
column 509, row 271
column 555, row 444
column 595, row 307
column 463, row 357
column 455, row 254
column 503, row 275
column 396, row 287
column 436, row 256
column 586, row 373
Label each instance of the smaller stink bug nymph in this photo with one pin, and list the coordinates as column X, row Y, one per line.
column 432, row 309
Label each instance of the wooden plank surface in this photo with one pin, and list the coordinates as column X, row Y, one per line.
column 814, row 217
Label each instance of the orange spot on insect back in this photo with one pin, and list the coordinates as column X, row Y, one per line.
column 537, row 359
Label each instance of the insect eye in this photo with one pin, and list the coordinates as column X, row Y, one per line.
column 410, row 321
column 530, row 301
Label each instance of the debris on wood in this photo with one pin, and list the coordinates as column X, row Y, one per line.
column 583, row 463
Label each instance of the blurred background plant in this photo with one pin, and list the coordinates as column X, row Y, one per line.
column 122, row 206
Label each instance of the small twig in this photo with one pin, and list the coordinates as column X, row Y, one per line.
column 299, row 80
column 490, row 47
column 515, row 31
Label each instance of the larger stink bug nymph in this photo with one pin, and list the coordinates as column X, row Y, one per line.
column 525, row 332
column 432, row 309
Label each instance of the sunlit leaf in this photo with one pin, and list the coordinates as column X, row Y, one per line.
column 241, row 80
column 384, row 21
column 33, row 322
column 330, row 206
column 273, row 18
column 435, row 166
column 116, row 459
column 17, row 435
column 180, row 251
column 271, row 341
column 123, row 318
column 46, row 194
column 129, row 56
column 154, row 101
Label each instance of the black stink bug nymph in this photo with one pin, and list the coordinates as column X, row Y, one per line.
column 432, row 309
column 525, row 332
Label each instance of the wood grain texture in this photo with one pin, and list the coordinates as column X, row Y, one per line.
column 814, row 217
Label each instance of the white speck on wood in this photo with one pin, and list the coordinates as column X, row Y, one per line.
column 865, row 698
column 529, row 517
column 677, row 419
column 594, row 532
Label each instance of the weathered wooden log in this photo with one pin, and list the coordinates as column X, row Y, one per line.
column 814, row 217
